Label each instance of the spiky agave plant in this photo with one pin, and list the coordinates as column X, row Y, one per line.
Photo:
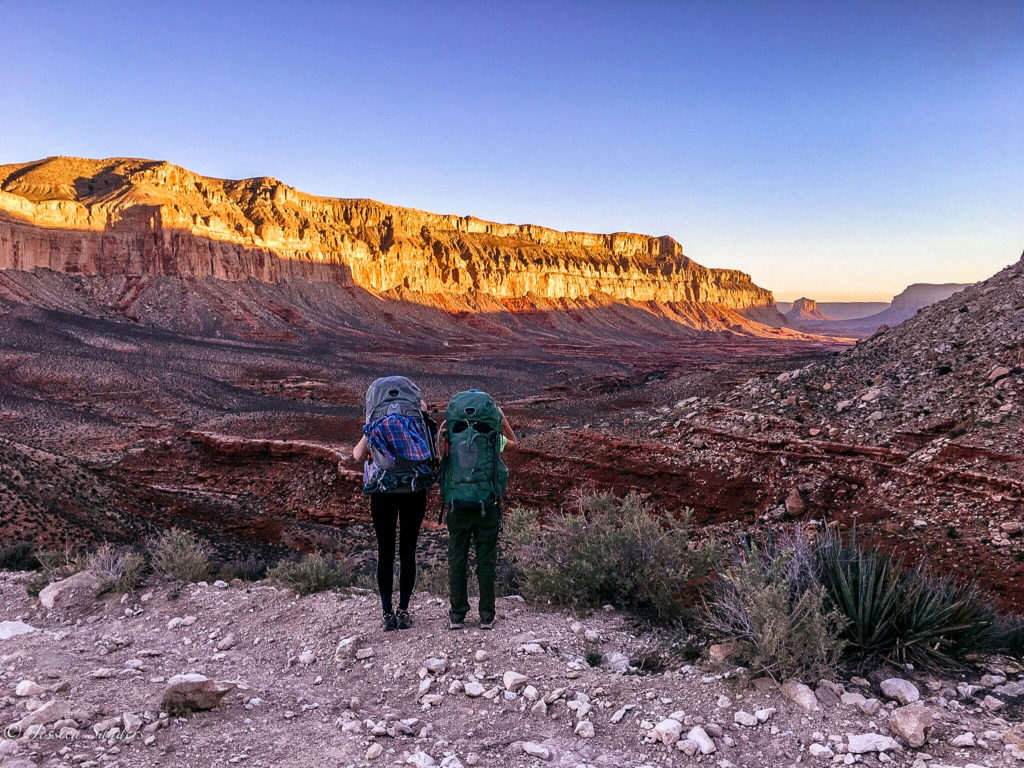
column 941, row 622
column 903, row 615
column 864, row 585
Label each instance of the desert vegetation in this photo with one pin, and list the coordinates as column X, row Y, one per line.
column 796, row 603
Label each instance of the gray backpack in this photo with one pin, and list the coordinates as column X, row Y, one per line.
column 401, row 443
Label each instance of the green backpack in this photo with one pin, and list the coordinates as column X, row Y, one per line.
column 473, row 476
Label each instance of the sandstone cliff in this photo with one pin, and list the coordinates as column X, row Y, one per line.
column 142, row 218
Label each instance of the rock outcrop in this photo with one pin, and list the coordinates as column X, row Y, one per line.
column 143, row 218
column 806, row 311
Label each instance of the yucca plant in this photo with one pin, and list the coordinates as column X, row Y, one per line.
column 940, row 622
column 903, row 615
column 864, row 585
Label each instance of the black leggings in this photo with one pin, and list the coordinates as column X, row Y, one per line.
column 405, row 510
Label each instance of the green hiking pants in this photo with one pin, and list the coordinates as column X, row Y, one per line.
column 465, row 527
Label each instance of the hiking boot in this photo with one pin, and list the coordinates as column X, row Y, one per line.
column 487, row 623
column 455, row 623
column 404, row 619
column 390, row 622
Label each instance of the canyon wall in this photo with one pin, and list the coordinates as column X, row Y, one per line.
column 130, row 217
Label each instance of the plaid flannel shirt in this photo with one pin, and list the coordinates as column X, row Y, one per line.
column 397, row 437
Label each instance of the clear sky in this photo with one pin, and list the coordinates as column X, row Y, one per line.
column 835, row 150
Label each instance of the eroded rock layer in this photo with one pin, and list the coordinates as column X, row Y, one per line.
column 143, row 218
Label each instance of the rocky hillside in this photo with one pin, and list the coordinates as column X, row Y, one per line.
column 130, row 217
column 953, row 370
column 278, row 680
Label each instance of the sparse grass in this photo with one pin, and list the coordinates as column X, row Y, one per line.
column 60, row 563
column 313, row 573
column 180, row 555
column 606, row 550
column 432, row 577
column 770, row 603
column 118, row 570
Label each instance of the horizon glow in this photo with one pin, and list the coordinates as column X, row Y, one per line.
column 838, row 151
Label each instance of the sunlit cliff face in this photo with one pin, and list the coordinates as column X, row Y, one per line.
column 142, row 217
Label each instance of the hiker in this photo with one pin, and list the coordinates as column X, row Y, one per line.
column 399, row 465
column 472, row 481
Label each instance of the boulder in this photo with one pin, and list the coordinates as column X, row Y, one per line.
column 745, row 718
column 667, row 731
column 536, row 750
column 9, row 629
column 903, row 691
column 193, row 692
column 50, row 712
column 73, row 592
column 514, row 681
column 859, row 744
column 700, row 737
column 28, row 688
column 912, row 723
column 801, row 695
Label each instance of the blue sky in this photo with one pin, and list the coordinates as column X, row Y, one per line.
column 834, row 150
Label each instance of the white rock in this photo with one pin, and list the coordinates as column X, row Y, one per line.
column 536, row 750
column 435, row 665
column 77, row 590
column 591, row 636
column 667, row 731
column 964, row 740
column 9, row 629
column 621, row 713
column 481, row 656
column 584, row 729
column 859, row 744
column 820, row 750
column 514, row 681
column 912, row 723
column 616, row 661
column 801, row 695
column 764, row 715
column 992, row 704
column 474, row 689
column 420, row 760
column 687, row 747
column 724, row 702
column 227, row 642
column 903, row 691
column 700, row 737
column 745, row 718
column 28, row 688
column 364, row 653
column 531, row 648
column 307, row 657
column 374, row 751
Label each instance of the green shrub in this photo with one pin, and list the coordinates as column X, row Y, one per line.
column 180, row 555
column 313, row 573
column 117, row 570
column 250, row 568
column 608, row 550
column 771, row 605
column 18, row 557
column 903, row 615
column 432, row 577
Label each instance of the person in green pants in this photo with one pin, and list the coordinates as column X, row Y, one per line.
column 473, row 479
